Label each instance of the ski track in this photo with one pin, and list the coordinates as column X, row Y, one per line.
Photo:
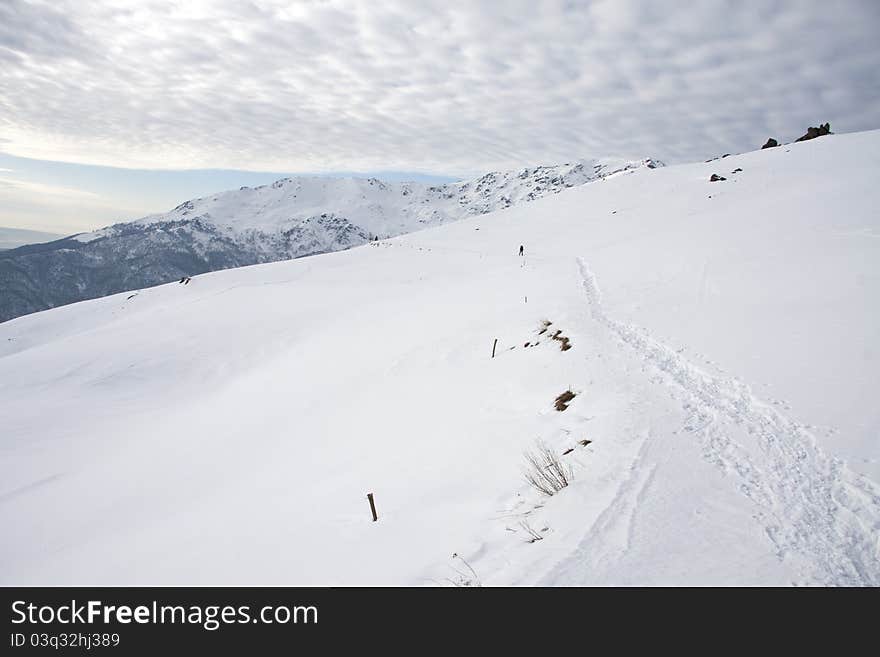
column 810, row 504
column 614, row 526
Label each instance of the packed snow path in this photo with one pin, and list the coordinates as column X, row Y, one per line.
column 811, row 505
column 769, row 506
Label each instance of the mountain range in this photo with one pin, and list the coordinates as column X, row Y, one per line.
column 291, row 218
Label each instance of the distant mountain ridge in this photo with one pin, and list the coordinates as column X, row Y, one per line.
column 291, row 218
column 11, row 238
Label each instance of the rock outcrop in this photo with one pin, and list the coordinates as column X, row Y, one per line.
column 812, row 133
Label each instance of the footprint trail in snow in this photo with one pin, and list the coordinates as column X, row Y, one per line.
column 812, row 507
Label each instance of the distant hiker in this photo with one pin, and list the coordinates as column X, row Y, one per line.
column 520, row 249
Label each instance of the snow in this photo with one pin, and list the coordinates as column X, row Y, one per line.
column 85, row 238
column 382, row 208
column 724, row 357
column 291, row 218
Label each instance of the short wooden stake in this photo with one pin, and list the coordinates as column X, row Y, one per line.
column 372, row 506
column 494, row 344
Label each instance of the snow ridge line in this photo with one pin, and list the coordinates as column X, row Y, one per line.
column 810, row 504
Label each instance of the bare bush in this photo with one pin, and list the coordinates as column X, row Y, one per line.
column 544, row 470
column 464, row 579
column 534, row 536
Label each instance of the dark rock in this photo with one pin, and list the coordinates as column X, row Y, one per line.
column 737, row 170
column 563, row 400
column 812, row 133
column 716, row 178
column 771, row 143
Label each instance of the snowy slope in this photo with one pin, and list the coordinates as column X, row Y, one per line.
column 291, row 218
column 724, row 357
column 380, row 208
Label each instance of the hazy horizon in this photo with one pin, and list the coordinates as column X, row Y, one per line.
column 66, row 198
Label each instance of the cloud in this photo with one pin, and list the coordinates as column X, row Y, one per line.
column 52, row 194
column 456, row 87
column 56, row 208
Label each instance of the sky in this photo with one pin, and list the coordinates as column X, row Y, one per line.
column 111, row 109
column 65, row 198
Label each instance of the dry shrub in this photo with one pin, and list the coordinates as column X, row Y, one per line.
column 545, row 472
column 534, row 536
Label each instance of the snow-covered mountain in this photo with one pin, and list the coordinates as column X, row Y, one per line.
column 290, row 218
column 723, row 361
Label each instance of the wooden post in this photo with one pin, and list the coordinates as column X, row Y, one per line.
column 372, row 506
column 494, row 344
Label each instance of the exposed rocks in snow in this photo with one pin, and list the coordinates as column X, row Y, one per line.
column 812, row 133
column 563, row 400
column 771, row 143
column 564, row 342
column 716, row 178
